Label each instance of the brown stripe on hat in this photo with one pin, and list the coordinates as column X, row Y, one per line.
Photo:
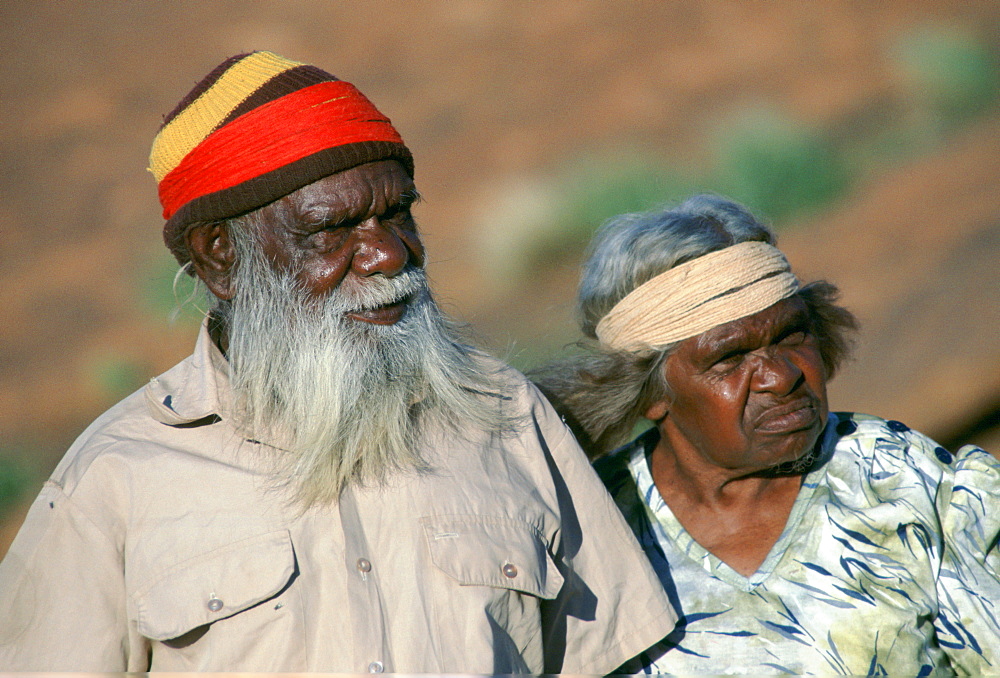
column 284, row 83
column 203, row 85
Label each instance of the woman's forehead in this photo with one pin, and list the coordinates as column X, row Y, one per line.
column 759, row 327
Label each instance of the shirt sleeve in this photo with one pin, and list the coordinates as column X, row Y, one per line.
column 62, row 594
column 967, row 627
column 612, row 606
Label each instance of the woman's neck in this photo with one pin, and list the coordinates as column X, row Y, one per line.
column 736, row 516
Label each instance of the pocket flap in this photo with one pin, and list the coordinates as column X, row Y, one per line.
column 215, row 585
column 497, row 552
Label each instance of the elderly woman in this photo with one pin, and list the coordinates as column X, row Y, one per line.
column 790, row 538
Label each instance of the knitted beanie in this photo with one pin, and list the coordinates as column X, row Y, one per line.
column 255, row 129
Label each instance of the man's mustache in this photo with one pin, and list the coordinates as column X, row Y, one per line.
column 377, row 291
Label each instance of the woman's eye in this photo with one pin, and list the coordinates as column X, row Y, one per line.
column 729, row 360
column 793, row 338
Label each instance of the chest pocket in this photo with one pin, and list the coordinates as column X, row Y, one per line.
column 496, row 552
column 215, row 585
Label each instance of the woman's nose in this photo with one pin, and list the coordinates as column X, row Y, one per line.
column 776, row 372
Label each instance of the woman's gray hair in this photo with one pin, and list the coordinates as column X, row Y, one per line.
column 603, row 394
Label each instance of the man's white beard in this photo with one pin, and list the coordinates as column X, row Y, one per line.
column 345, row 400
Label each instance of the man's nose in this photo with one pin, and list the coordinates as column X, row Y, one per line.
column 378, row 250
column 776, row 372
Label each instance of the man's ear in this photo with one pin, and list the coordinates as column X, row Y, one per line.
column 213, row 256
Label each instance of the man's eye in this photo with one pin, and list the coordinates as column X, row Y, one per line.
column 401, row 219
column 325, row 226
column 399, row 215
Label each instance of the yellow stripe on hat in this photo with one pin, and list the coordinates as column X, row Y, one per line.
column 200, row 119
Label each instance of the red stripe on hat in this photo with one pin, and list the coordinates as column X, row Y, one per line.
column 273, row 135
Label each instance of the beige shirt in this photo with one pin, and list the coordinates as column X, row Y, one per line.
column 159, row 544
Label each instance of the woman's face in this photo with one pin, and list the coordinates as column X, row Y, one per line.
column 749, row 394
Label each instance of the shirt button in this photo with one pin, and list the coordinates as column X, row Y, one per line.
column 376, row 667
column 364, row 565
column 509, row 570
column 214, row 604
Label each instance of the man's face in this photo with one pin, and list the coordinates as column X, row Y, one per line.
column 345, row 227
column 749, row 394
column 331, row 367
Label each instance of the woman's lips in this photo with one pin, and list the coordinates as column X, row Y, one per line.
column 788, row 418
column 390, row 314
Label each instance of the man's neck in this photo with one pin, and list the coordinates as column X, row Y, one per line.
column 218, row 332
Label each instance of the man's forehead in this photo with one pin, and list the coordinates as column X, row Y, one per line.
column 370, row 186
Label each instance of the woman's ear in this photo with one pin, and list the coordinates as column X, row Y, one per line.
column 657, row 411
column 213, row 257
column 661, row 408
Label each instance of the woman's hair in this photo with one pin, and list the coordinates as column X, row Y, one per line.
column 603, row 394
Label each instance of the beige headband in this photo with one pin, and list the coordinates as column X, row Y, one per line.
column 698, row 295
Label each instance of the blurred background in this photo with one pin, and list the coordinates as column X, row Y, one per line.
column 867, row 133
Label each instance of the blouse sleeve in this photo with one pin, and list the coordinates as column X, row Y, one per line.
column 968, row 503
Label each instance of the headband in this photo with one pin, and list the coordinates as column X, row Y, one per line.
column 696, row 296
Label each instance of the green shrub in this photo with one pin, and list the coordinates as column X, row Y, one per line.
column 591, row 190
column 114, row 377
column 777, row 167
column 597, row 189
column 16, row 482
column 166, row 294
column 954, row 74
column 548, row 220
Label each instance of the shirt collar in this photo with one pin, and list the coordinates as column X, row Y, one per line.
column 194, row 390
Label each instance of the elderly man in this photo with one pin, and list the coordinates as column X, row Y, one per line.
column 331, row 482
column 792, row 539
